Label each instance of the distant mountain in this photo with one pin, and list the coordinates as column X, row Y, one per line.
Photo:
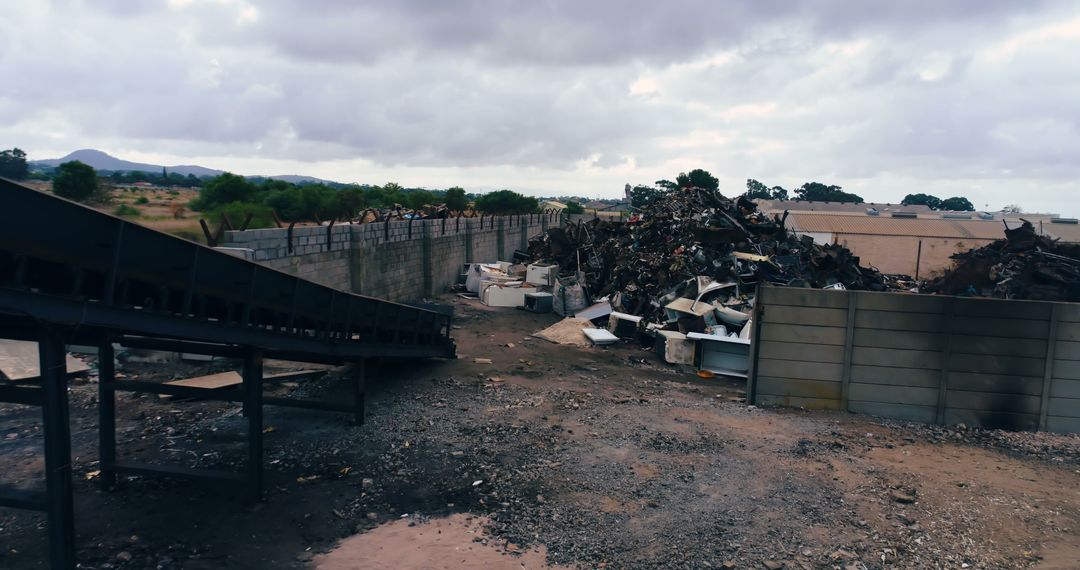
column 104, row 161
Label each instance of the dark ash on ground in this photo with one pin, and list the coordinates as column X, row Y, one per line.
column 605, row 456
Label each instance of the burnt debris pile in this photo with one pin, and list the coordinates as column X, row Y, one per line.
column 694, row 243
column 1024, row 265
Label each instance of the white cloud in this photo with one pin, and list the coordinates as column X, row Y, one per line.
column 970, row 96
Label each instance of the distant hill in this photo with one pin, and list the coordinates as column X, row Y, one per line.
column 104, row 161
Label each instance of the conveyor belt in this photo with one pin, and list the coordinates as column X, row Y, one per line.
column 70, row 274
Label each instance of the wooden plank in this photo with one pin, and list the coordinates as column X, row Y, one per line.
column 19, row 361
column 893, row 321
column 931, row 360
column 802, row 352
column 1067, row 369
column 997, row 420
column 987, row 364
column 1064, row 388
column 1007, row 328
column 803, row 334
column 210, row 382
column 906, row 340
column 1065, row 350
column 996, row 383
column 924, row 414
column 1063, row 425
column 800, row 370
column 1064, row 407
column 901, row 302
column 294, row 375
column 1068, row 331
column 992, row 402
column 1001, row 308
column 914, row 377
column 974, row 344
column 799, row 388
column 813, row 316
column 799, row 297
column 794, row 402
column 883, row 394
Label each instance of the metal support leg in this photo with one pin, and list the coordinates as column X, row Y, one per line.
column 359, row 386
column 51, row 351
column 106, row 415
column 253, row 379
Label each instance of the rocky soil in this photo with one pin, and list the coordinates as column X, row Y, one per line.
column 606, row 458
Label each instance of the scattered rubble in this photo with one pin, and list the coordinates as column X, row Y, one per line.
column 691, row 262
column 1024, row 265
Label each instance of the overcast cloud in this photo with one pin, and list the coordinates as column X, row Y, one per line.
column 979, row 98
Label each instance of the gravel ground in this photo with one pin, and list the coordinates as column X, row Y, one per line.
column 606, row 457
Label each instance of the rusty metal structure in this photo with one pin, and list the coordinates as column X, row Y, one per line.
column 70, row 274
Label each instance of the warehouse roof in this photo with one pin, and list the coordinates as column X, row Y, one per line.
column 923, row 226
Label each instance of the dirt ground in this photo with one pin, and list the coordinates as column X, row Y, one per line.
column 551, row 455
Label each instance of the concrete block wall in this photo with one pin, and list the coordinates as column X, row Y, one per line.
column 314, row 255
column 397, row 260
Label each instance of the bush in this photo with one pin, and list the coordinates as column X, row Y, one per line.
column 237, row 212
column 504, row 202
column 142, row 200
column 126, row 211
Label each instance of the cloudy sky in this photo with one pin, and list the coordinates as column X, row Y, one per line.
column 979, row 98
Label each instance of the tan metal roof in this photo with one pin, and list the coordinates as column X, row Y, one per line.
column 812, row 206
column 923, row 226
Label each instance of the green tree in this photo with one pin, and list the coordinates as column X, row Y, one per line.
column 641, row 196
column 932, row 202
column 573, row 207
column 75, row 181
column 958, row 204
column 697, row 178
column 757, row 191
column 419, row 198
column 224, row 189
column 13, row 164
column 455, row 199
column 506, row 202
column 665, row 184
column 818, row 192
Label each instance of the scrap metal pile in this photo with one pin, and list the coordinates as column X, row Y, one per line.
column 1024, row 265
column 695, row 243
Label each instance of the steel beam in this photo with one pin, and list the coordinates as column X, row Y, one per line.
column 59, row 495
